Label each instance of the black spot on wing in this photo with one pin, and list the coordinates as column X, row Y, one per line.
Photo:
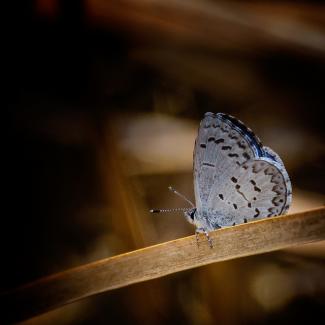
column 219, row 141
column 241, row 145
column 257, row 189
column 233, row 155
column 234, row 179
column 269, row 171
column 257, row 213
column 278, row 189
column 221, row 196
column 233, row 136
column 277, row 201
column 246, row 155
column 226, row 148
column 273, row 210
column 203, row 145
column 208, row 164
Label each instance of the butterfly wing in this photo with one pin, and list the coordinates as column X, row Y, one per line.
column 214, row 155
column 235, row 178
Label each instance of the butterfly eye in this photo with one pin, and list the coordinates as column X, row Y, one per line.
column 192, row 214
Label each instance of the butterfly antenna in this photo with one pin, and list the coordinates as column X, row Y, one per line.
column 181, row 195
column 169, row 210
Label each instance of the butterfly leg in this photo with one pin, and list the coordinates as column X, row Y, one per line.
column 202, row 230
column 197, row 236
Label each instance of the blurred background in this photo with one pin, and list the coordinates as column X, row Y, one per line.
column 102, row 104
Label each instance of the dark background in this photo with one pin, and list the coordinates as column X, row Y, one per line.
column 85, row 81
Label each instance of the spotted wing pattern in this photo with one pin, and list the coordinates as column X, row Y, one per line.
column 236, row 179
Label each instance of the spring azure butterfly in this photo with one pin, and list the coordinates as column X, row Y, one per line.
column 236, row 178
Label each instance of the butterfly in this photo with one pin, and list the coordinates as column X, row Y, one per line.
column 236, row 178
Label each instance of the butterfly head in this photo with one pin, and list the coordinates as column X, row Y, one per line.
column 190, row 215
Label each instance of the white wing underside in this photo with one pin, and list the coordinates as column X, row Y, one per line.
column 236, row 179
